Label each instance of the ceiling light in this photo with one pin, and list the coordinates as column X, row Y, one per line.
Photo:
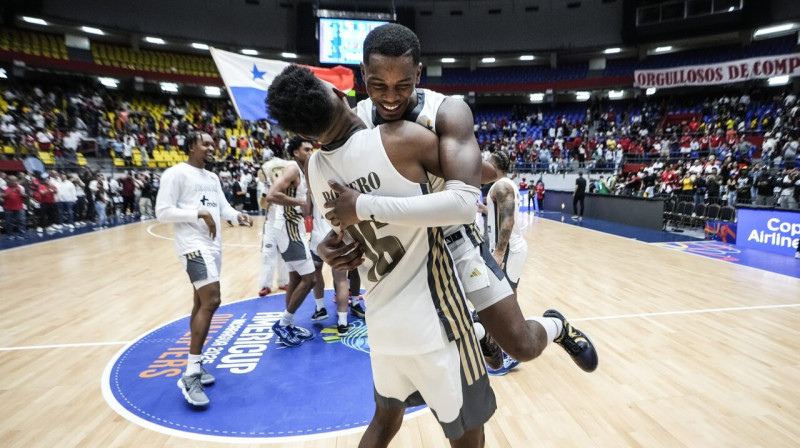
column 731, row 9
column 582, row 96
column 537, row 97
column 213, row 91
column 461, row 97
column 169, row 87
column 614, row 50
column 526, row 57
column 92, row 30
column 249, row 52
column 448, row 60
column 778, row 80
column 663, row 49
column 3, row 74
column 34, row 20
column 109, row 82
column 199, row 46
column 488, row 60
column 154, row 40
column 289, row 55
column 650, row 91
column 615, row 94
column 773, row 30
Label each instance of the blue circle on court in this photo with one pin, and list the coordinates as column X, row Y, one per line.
column 264, row 392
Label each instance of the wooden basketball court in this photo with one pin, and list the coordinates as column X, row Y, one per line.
column 694, row 352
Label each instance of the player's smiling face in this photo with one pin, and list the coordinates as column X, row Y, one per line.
column 391, row 82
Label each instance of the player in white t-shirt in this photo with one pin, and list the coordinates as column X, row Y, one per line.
column 192, row 199
column 422, row 344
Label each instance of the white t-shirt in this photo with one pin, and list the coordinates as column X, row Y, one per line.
column 184, row 191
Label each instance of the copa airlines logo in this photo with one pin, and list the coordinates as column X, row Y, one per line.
column 770, row 230
column 264, row 392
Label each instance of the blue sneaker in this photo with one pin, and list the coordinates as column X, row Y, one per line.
column 577, row 344
column 301, row 333
column 286, row 335
column 508, row 364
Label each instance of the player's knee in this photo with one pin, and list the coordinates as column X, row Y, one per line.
column 524, row 349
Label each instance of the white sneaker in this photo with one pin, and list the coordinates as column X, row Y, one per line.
column 39, row 229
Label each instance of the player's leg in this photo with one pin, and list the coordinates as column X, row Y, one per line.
column 203, row 268
column 474, row 438
column 356, row 309
column 382, row 428
column 320, row 312
column 342, row 290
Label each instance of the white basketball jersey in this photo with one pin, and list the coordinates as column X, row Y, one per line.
column 290, row 218
column 415, row 302
column 515, row 242
column 428, row 103
column 272, row 170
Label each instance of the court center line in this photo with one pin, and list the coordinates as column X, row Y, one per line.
column 579, row 319
column 150, row 231
column 85, row 344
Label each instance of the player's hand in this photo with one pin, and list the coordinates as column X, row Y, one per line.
column 244, row 218
column 209, row 220
column 343, row 207
column 339, row 255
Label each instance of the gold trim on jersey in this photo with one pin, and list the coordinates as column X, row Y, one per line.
column 475, row 233
column 292, row 217
column 450, row 303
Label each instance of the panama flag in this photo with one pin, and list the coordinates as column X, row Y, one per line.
column 247, row 80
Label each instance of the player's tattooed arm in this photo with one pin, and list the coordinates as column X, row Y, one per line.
column 504, row 199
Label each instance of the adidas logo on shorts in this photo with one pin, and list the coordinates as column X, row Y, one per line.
column 475, row 273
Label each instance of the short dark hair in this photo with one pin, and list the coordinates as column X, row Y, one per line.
column 294, row 143
column 501, row 160
column 300, row 102
column 191, row 138
column 392, row 39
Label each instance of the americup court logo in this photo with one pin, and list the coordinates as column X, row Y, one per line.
column 264, row 392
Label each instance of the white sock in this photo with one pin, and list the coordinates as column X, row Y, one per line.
column 320, row 303
column 342, row 317
column 287, row 319
column 480, row 332
column 354, row 300
column 193, row 365
column 551, row 325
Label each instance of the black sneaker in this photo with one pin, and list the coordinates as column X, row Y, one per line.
column 320, row 314
column 357, row 311
column 576, row 343
column 341, row 330
column 492, row 353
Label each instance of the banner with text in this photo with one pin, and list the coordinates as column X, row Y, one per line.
column 722, row 73
column 768, row 229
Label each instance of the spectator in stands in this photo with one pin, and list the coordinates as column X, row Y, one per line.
column 128, row 193
column 65, row 199
column 13, row 197
column 790, row 153
column 539, row 189
column 713, row 184
column 578, row 196
column 79, row 207
column 44, row 193
column 128, row 145
column 765, row 186
column 789, row 180
column 101, row 202
column 146, row 198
